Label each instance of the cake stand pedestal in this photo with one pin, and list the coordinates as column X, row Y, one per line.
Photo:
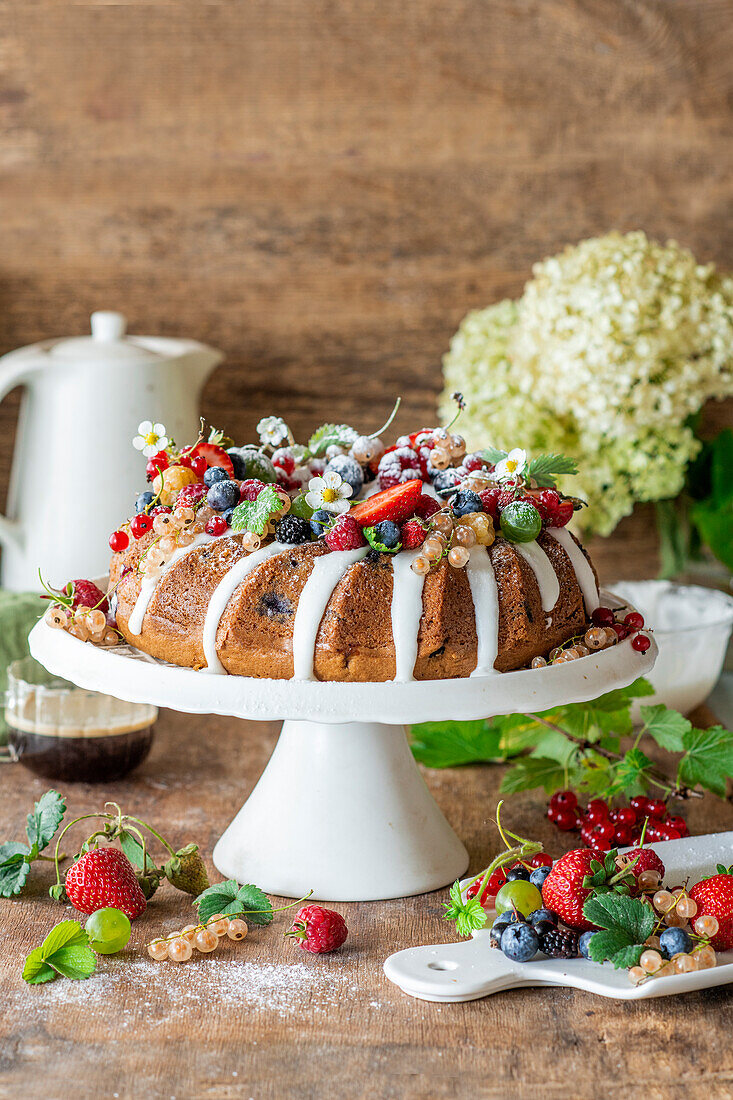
column 341, row 809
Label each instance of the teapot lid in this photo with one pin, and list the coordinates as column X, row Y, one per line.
column 108, row 341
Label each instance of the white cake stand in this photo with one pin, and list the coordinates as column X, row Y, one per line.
column 341, row 808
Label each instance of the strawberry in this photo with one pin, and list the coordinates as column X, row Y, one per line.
column 214, row 455
column 186, row 871
column 412, row 534
column 317, row 929
column 647, row 860
column 345, row 534
column 104, row 877
column 397, row 504
column 427, row 506
column 714, row 898
column 563, row 891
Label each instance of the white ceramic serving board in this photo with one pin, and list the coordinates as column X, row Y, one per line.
column 471, row 969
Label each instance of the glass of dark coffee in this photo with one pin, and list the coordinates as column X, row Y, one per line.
column 66, row 733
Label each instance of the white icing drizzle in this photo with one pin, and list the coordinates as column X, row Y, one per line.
column 583, row 571
column 149, row 584
column 480, row 573
column 326, row 573
column 541, row 566
column 406, row 611
column 223, row 593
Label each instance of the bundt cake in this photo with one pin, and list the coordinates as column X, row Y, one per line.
column 255, row 560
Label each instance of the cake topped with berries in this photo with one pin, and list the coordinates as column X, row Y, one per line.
column 348, row 559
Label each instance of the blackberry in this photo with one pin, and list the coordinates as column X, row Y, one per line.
column 293, row 530
column 560, row 945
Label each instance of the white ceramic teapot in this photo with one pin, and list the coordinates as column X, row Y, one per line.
column 75, row 474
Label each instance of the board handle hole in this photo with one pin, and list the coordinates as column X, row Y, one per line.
column 443, row 964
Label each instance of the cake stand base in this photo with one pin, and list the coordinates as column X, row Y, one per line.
column 341, row 810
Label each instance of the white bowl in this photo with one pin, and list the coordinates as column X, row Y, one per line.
column 691, row 626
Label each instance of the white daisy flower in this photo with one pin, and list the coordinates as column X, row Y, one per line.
column 328, row 492
column 150, row 439
column 273, row 430
column 512, row 466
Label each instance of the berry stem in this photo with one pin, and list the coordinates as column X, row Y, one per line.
column 390, row 418
column 56, row 855
column 150, row 829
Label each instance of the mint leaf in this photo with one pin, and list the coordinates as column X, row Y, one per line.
column 708, row 759
column 534, row 771
column 493, row 454
column 35, row 970
column 450, row 744
column 47, row 815
column 667, row 727
column 14, row 868
column 342, row 435
column 68, row 933
column 545, row 469
column 616, row 912
column 469, row 915
column 77, row 961
column 253, row 515
column 233, row 900
column 371, row 537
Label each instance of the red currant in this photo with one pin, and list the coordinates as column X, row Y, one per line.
column 157, row 464
column 564, row 800
column 496, row 880
column 217, row 525
column 598, row 845
column 199, row 465
column 626, row 816
column 622, row 836
column 473, row 462
column 596, row 810
column 552, row 812
column 565, row 820
column 159, row 510
column 634, row 620
column 656, row 808
column 540, row 860
column 639, row 804
column 603, row 830
column 187, row 461
column 640, row 643
column 602, row 616
column 490, row 502
column 140, row 524
column 679, row 824
column 621, row 631
column 118, row 540
column 563, row 513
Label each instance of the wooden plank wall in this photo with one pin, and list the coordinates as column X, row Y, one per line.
column 323, row 189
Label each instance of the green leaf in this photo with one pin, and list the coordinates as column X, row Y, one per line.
column 493, row 454
column 68, row 933
column 534, row 771
column 253, row 515
column 342, row 435
column 667, row 727
column 47, row 815
column 469, row 915
column 231, row 899
column 35, row 970
column 11, row 850
column 708, row 759
column 14, row 871
column 450, row 744
column 631, row 774
column 545, row 469
column 615, row 912
column 370, row 535
column 76, row 961
column 133, row 849
column 616, row 946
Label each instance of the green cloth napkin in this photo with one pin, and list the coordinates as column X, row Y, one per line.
column 19, row 612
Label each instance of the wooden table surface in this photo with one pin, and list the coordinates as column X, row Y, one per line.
column 262, row 1019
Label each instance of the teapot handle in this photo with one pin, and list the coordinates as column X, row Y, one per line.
column 13, row 372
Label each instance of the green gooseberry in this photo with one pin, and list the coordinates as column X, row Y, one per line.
column 301, row 508
column 520, row 521
column 108, row 930
column 518, row 894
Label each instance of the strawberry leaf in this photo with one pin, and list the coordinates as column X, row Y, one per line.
column 534, row 771
column 342, row 435
column 47, row 815
column 370, row 535
column 76, row 961
column 616, row 946
column 493, row 454
column 256, row 906
column 450, row 744
column 618, row 913
column 35, row 970
column 68, row 933
column 545, row 469
column 253, row 515
column 667, row 727
column 15, row 866
column 133, row 849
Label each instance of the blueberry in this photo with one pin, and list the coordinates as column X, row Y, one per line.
column 228, row 515
column 508, row 917
column 320, row 522
column 445, row 482
column 539, row 875
column 223, row 495
column 543, row 914
column 349, row 471
column 466, row 501
column 515, row 873
column 542, row 927
column 214, row 474
column 388, row 533
column 495, row 935
column 519, row 942
column 584, row 944
column 143, row 501
column 673, row 941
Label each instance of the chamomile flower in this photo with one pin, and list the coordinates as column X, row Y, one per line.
column 328, row 492
column 273, row 431
column 512, row 466
column 150, row 439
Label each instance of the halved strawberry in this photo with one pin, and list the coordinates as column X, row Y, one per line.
column 214, row 455
column 397, row 504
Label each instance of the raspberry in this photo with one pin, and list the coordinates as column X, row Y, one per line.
column 317, row 929
column 105, row 877
column 249, row 489
column 427, row 506
column 474, row 462
column 190, row 495
column 546, row 503
column 293, row 530
column 345, row 534
column 490, row 501
column 560, row 945
column 86, row 594
column 412, row 534
column 397, row 466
